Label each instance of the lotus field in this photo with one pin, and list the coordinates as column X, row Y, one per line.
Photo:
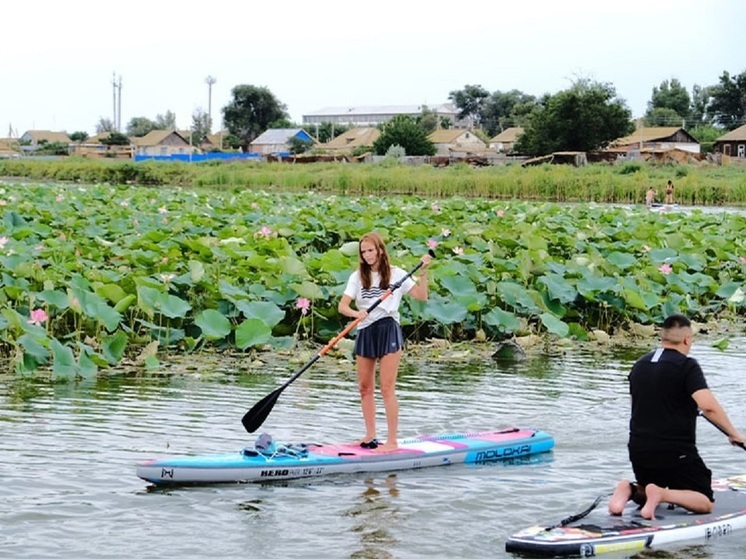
column 98, row 276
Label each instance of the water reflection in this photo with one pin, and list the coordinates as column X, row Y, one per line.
column 373, row 516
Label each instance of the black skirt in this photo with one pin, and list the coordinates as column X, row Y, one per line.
column 380, row 338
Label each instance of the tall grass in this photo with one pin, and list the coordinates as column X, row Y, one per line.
column 627, row 183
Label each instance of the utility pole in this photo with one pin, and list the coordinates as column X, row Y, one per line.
column 209, row 80
column 117, row 122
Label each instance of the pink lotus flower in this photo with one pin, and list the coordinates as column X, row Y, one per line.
column 743, row 259
column 303, row 304
column 500, row 213
column 3, row 242
column 38, row 316
column 60, row 198
column 665, row 269
column 265, row 232
column 432, row 243
column 435, row 207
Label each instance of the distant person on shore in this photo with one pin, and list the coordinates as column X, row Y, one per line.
column 650, row 197
column 669, row 192
column 667, row 388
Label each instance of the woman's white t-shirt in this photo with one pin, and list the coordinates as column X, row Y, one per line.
column 364, row 298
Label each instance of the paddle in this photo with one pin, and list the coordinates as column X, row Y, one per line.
column 254, row 418
column 719, row 428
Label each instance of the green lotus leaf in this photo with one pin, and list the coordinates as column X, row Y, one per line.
column 196, row 271
column 502, row 320
column 63, row 361
column 293, row 266
column 558, row 288
column 113, row 347
column 214, row 325
column 125, row 303
column 660, row 255
column 445, row 312
column 252, row 332
column 554, row 325
column 54, row 298
column 267, row 312
column 622, row 260
column 110, row 291
column 95, row 307
column 308, row 290
column 350, row 249
column 35, row 346
column 517, row 296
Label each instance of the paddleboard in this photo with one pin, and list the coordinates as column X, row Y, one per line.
column 311, row 460
column 598, row 532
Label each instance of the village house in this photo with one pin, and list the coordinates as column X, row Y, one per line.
column 277, row 140
column 351, row 140
column 505, row 140
column 162, row 143
column 657, row 138
column 732, row 144
column 457, row 142
column 32, row 140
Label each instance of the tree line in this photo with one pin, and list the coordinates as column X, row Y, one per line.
column 587, row 116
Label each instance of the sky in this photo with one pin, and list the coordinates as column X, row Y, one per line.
column 58, row 59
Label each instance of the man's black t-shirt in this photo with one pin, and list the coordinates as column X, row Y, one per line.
column 663, row 425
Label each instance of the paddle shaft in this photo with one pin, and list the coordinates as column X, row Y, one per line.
column 719, row 428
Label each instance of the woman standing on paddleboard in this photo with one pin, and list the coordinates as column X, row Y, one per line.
column 379, row 335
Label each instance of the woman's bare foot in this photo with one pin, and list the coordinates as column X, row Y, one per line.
column 387, row 447
column 655, row 496
column 618, row 501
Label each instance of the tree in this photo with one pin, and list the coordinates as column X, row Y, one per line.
column 470, row 102
column 670, row 95
column 728, row 105
column 201, row 125
column 428, row 120
column 402, row 130
column 251, row 112
column 586, row 117
column 299, row 145
column 116, row 139
column 701, row 97
column 165, row 122
column 140, row 126
column 662, row 116
column 79, row 136
column 505, row 109
column 104, row 125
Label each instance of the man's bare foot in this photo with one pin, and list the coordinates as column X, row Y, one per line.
column 387, row 447
column 655, row 496
column 618, row 501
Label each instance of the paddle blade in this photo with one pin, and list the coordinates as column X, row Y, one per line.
column 257, row 415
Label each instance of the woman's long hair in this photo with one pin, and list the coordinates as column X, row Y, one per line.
column 384, row 268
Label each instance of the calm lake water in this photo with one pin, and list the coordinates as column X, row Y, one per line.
column 68, row 454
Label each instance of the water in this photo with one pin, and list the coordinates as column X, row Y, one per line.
column 68, row 456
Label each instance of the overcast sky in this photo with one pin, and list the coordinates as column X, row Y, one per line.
column 58, row 58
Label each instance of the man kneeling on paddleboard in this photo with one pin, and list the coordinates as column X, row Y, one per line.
column 667, row 389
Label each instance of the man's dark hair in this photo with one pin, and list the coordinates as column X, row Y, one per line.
column 676, row 321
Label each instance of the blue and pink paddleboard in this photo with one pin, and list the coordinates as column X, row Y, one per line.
column 312, row 460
